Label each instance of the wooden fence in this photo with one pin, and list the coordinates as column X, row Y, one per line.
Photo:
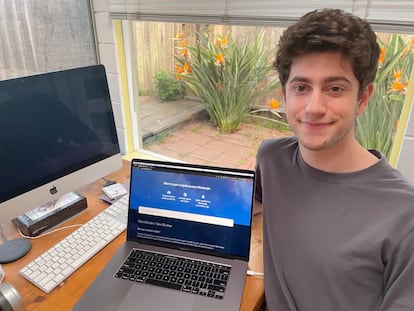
column 155, row 44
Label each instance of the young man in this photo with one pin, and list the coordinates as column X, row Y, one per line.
column 338, row 219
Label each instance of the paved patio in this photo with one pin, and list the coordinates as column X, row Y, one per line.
column 200, row 143
column 179, row 130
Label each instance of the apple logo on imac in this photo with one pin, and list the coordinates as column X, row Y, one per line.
column 53, row 190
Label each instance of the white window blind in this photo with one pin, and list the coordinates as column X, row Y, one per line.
column 384, row 15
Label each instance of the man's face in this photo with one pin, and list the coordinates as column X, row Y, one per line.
column 322, row 101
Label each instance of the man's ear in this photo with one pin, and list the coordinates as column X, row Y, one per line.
column 365, row 96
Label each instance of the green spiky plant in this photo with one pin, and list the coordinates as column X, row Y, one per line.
column 377, row 126
column 229, row 77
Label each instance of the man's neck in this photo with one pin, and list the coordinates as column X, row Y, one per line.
column 339, row 159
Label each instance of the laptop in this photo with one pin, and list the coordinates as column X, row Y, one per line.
column 189, row 229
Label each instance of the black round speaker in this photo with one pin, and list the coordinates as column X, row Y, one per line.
column 10, row 299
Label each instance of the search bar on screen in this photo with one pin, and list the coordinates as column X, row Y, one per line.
column 186, row 216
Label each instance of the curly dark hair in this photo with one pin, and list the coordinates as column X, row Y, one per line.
column 330, row 30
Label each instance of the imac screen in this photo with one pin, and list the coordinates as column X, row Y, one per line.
column 54, row 127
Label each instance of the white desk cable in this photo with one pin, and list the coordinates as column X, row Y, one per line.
column 254, row 273
column 1, row 274
column 49, row 232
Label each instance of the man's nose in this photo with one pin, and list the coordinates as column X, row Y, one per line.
column 316, row 103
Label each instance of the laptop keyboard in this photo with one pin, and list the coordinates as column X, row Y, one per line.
column 179, row 273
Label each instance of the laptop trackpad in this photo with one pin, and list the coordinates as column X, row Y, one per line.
column 153, row 298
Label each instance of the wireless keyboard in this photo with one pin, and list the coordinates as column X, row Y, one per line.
column 52, row 267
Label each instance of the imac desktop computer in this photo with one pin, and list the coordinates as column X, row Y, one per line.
column 57, row 133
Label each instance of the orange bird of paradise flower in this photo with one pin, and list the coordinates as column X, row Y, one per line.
column 184, row 52
column 179, row 69
column 187, row 67
column 397, row 74
column 382, row 56
column 274, row 104
column 220, row 58
column 398, row 86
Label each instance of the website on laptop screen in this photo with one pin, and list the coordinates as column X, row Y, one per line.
column 207, row 211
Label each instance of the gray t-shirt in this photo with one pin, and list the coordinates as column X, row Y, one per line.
column 334, row 241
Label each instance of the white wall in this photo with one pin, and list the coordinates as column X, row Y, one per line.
column 406, row 160
column 105, row 38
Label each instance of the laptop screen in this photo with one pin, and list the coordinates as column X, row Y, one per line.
column 191, row 207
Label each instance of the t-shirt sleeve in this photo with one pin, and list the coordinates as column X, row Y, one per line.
column 399, row 277
column 258, row 185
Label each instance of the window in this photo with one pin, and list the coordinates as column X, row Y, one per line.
column 41, row 36
column 384, row 16
column 177, row 124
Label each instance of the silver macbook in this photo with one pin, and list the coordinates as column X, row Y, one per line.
column 188, row 241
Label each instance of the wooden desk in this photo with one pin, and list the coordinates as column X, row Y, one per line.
column 64, row 297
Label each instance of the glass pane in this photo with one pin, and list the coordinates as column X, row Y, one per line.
column 41, row 36
column 166, row 54
column 175, row 119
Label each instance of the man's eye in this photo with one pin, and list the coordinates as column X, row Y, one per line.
column 336, row 89
column 300, row 88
